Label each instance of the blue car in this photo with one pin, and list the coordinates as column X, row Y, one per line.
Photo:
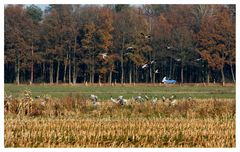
column 165, row 81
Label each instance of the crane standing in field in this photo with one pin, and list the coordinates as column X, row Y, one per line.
column 173, row 100
column 154, row 100
column 141, row 99
column 94, row 99
column 120, row 100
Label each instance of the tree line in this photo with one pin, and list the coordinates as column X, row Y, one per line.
column 119, row 43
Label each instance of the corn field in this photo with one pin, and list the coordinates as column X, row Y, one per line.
column 75, row 122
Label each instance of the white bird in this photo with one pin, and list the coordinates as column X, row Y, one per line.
column 151, row 62
column 144, row 66
column 172, row 97
column 173, row 100
column 154, row 100
column 121, row 100
column 94, row 98
column 156, row 71
column 198, row 59
column 114, row 100
column 146, row 97
column 129, row 48
column 139, row 99
column 163, row 98
column 189, row 98
column 125, row 102
column 169, row 47
column 164, row 79
column 104, row 55
column 178, row 60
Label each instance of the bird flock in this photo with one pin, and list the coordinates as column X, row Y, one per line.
column 120, row 100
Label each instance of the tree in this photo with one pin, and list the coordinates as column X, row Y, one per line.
column 181, row 45
column 216, row 39
column 35, row 13
column 16, row 39
column 52, row 29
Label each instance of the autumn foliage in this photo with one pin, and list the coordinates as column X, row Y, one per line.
column 112, row 43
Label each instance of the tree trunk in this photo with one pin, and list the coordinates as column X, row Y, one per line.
column 99, row 80
column 130, row 74
column 150, row 73
column 57, row 75
column 84, row 78
column 31, row 81
column 208, row 77
column 154, row 69
column 74, row 62
column 93, row 69
column 110, row 77
column 206, row 72
column 170, row 68
column 223, row 77
column 44, row 72
column 69, row 70
column 233, row 77
column 181, row 73
column 173, row 70
column 17, row 70
column 136, row 74
column 146, row 79
column 122, row 70
column 64, row 72
column 51, row 72
column 90, row 73
column 133, row 73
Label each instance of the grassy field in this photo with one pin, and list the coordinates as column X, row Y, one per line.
column 207, row 120
column 104, row 92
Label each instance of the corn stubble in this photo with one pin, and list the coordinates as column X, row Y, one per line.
column 74, row 122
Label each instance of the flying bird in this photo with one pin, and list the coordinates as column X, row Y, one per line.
column 156, row 71
column 151, row 62
column 169, row 47
column 104, row 55
column 129, row 48
column 144, row 66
